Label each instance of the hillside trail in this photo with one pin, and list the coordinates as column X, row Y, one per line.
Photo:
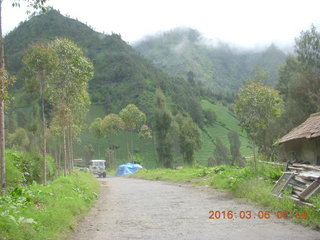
column 140, row 209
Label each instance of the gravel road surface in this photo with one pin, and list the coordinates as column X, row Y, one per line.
column 140, row 209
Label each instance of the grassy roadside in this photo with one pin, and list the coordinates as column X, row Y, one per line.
column 47, row 212
column 243, row 183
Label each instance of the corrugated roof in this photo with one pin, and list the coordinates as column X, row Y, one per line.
column 308, row 129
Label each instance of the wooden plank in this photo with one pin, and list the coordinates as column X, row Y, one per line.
column 302, row 180
column 309, row 191
column 305, row 166
column 295, row 192
column 295, row 168
column 296, row 188
column 310, row 175
column 282, row 183
column 294, row 181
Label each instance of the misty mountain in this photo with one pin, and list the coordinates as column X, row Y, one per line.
column 182, row 50
column 122, row 75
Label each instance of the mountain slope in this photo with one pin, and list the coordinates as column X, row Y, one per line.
column 182, row 50
column 122, row 75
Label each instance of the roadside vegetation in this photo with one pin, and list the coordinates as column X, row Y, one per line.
column 247, row 183
column 47, row 211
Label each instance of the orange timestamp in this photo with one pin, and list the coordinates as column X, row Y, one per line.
column 225, row 214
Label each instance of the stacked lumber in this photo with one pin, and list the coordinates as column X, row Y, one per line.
column 303, row 179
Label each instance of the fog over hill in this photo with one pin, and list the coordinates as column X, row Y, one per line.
column 223, row 66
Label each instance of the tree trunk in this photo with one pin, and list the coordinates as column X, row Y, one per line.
column 128, row 152
column 155, row 150
column 2, row 139
column 69, row 148
column 65, row 151
column 44, row 150
column 59, row 159
column 132, row 151
column 254, row 156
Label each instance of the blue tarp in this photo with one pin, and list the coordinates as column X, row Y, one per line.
column 128, row 168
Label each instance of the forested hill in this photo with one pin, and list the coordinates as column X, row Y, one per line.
column 121, row 76
column 182, row 50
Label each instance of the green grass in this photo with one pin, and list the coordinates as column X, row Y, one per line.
column 225, row 123
column 243, row 183
column 47, row 212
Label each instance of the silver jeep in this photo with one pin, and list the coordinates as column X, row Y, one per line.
column 98, row 167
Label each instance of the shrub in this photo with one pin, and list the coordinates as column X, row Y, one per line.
column 14, row 176
column 30, row 165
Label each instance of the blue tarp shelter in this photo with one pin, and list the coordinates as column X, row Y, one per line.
column 128, row 168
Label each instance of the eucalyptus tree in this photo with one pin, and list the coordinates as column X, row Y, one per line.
column 5, row 80
column 112, row 124
column 69, row 90
column 162, row 126
column 96, row 129
column 40, row 63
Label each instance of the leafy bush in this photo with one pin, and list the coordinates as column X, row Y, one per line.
column 14, row 176
column 29, row 165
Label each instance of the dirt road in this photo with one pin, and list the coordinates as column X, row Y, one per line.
column 140, row 209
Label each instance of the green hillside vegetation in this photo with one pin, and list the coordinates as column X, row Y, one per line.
column 182, row 50
column 122, row 75
column 145, row 148
column 225, row 123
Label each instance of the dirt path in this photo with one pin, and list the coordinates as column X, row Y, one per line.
column 139, row 209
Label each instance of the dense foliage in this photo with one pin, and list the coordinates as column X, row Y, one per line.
column 256, row 107
column 26, row 167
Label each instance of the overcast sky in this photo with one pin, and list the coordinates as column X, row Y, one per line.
column 246, row 23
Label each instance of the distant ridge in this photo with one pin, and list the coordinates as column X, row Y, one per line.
column 183, row 49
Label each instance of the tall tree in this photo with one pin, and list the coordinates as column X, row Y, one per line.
column 235, row 147
column 40, row 63
column 162, row 126
column 112, row 124
column 221, row 153
column 257, row 105
column 96, row 130
column 189, row 140
column 35, row 4
column 69, row 90
column 133, row 119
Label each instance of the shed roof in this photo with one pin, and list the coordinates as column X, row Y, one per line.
column 308, row 129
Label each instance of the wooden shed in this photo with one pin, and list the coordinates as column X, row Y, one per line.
column 302, row 144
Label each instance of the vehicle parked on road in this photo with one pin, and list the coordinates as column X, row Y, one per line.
column 98, row 167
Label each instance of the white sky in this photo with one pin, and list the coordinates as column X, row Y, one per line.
column 246, row 23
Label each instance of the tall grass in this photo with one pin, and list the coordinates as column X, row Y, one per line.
column 46, row 212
